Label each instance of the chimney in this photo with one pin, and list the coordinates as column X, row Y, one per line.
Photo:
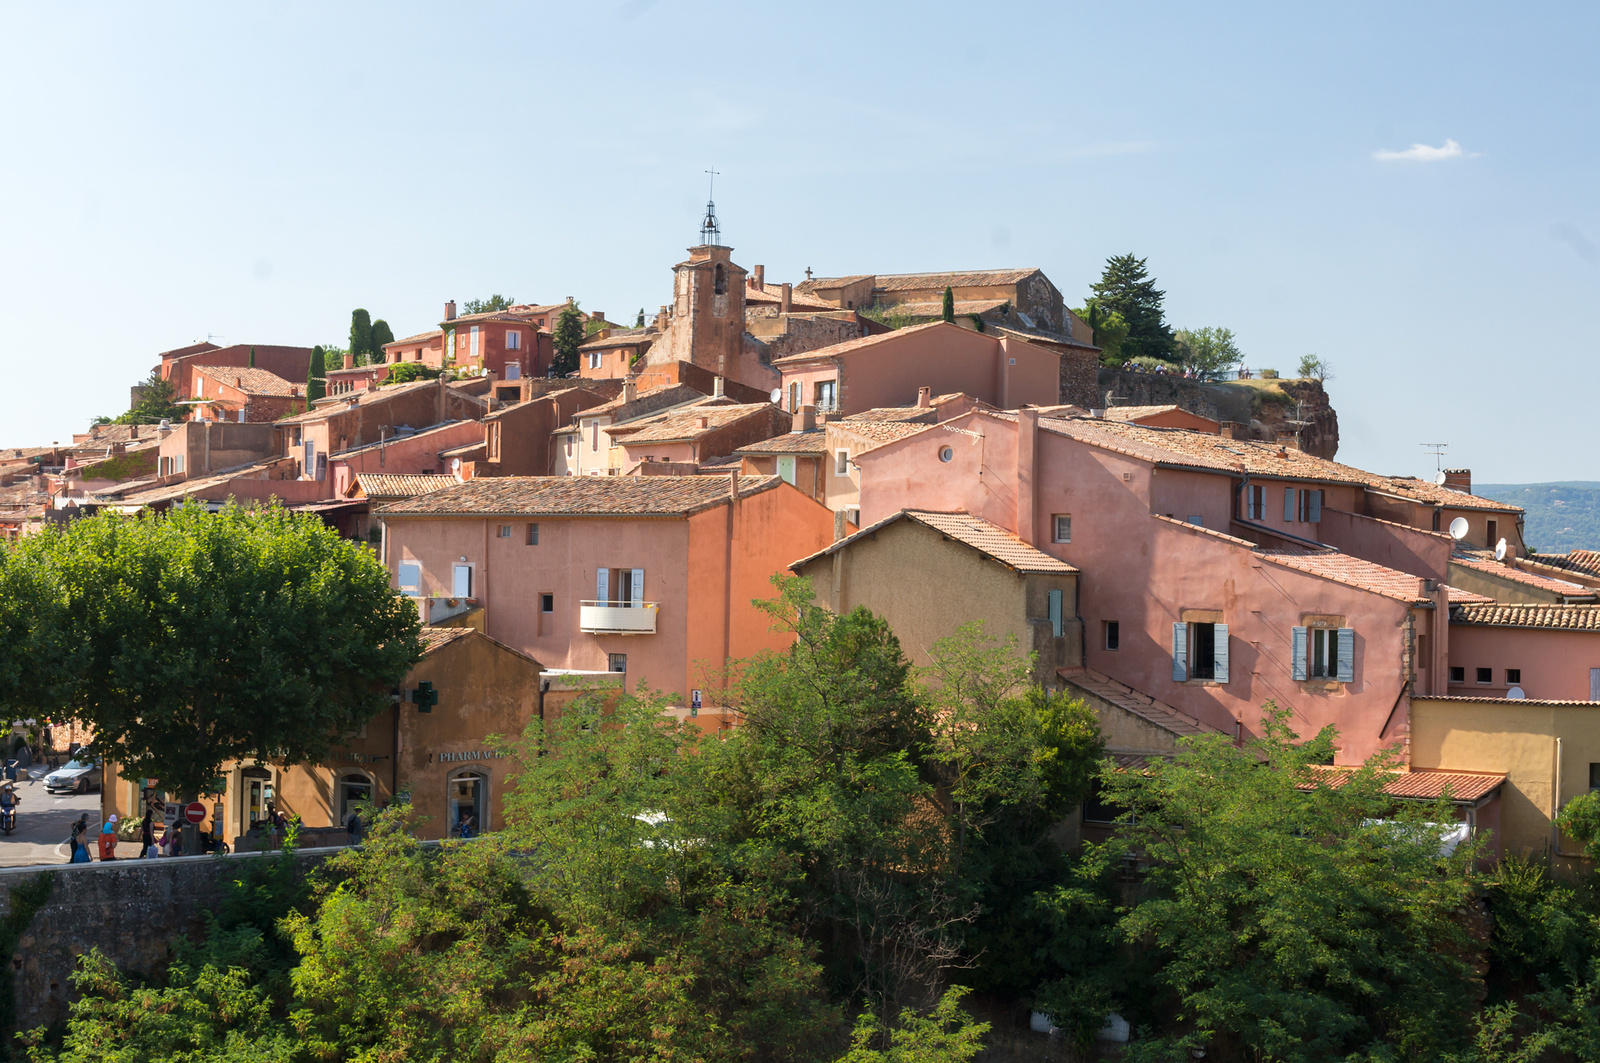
column 349, row 360
column 238, row 382
column 924, row 398
column 661, row 320
column 570, row 300
column 733, row 486
column 630, row 390
column 1234, row 430
column 1459, row 480
column 786, row 300
column 598, row 315
column 705, row 422
column 450, row 310
column 718, row 387
column 805, row 419
column 758, row 278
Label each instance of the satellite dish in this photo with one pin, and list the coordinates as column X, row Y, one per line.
column 1500, row 550
column 455, row 466
column 1440, row 478
column 777, row 396
column 1515, row 694
column 1458, row 528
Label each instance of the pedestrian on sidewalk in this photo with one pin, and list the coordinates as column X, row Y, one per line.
column 108, row 838
column 147, row 833
column 77, row 851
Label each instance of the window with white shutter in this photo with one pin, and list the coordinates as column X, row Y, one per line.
column 1345, row 668
column 1180, row 652
column 1297, row 652
column 602, row 585
column 636, row 589
column 1219, row 653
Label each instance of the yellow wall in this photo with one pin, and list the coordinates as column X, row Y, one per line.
column 1520, row 739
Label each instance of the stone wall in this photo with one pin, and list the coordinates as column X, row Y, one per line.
column 130, row 909
column 1239, row 402
column 1079, row 384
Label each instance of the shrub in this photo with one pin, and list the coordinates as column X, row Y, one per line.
column 1269, row 374
column 406, row 372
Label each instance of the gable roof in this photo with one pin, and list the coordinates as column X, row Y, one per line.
column 1555, row 617
column 1485, row 564
column 968, row 278
column 812, row 442
column 880, row 432
column 579, row 496
column 432, row 334
column 985, row 537
column 1140, row 704
column 248, row 380
column 379, row 487
column 339, row 403
column 863, row 342
column 621, row 338
column 685, row 425
column 1353, row 571
column 437, row 638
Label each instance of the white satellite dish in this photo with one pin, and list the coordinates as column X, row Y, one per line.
column 1515, row 694
column 1458, row 528
column 777, row 396
column 1500, row 550
column 1440, row 478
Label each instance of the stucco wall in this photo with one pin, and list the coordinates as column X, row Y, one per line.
column 1421, row 553
column 1555, row 664
column 1506, row 591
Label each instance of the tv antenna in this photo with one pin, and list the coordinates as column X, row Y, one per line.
column 710, row 231
column 1438, row 450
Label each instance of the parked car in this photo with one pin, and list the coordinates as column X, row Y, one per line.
column 76, row 776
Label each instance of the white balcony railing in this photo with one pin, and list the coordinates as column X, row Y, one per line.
column 617, row 618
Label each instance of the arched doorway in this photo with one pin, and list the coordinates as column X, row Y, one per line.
column 255, row 793
column 352, row 791
column 467, row 792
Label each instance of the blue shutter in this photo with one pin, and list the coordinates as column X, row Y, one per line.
column 1180, row 652
column 1297, row 652
column 1345, row 671
column 1288, row 503
column 1055, row 613
column 637, row 589
column 1219, row 658
column 1315, row 513
column 602, row 585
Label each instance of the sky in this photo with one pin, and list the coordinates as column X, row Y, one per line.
column 1408, row 191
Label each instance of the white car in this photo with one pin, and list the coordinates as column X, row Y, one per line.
column 75, row 776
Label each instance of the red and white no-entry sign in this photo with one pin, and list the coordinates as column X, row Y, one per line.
column 195, row 812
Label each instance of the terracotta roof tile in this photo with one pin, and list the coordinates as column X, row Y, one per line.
column 1467, row 786
column 578, row 496
column 987, row 538
column 1457, row 596
column 982, row 278
column 646, row 401
column 436, row 638
column 935, row 307
column 1133, row 413
column 860, row 342
column 1487, row 565
column 1342, row 568
column 1581, row 562
column 685, row 425
column 435, row 334
column 250, row 381
column 379, row 487
column 879, row 432
column 337, row 404
column 772, row 294
column 1563, row 617
column 812, row 442
column 621, row 338
column 1140, row 704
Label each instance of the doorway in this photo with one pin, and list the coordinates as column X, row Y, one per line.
column 467, row 794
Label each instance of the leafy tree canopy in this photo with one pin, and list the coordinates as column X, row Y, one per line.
column 1314, row 367
column 157, row 403
column 1106, row 328
column 488, row 306
column 1208, row 350
column 361, row 336
column 1126, row 288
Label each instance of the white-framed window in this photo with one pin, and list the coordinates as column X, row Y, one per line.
column 827, row 396
column 841, row 463
column 594, row 359
column 473, row 349
column 409, row 576
column 1324, row 653
column 513, row 340
column 461, row 584
column 1199, row 651
column 1061, row 528
column 503, row 532
column 533, row 535
column 621, row 587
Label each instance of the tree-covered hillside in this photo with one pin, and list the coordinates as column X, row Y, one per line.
column 1561, row 516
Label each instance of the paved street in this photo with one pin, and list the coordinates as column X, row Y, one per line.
column 43, row 823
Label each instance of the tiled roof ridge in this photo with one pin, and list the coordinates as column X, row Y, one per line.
column 1048, row 563
column 1309, row 567
column 1490, row 567
column 1146, row 707
column 1201, row 529
column 419, row 336
column 698, row 493
column 390, row 441
column 849, row 346
column 1528, row 615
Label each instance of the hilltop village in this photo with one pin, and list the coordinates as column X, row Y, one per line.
column 939, row 448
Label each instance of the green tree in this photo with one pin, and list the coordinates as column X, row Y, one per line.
column 639, row 321
column 157, row 402
column 406, row 372
column 569, row 335
column 1208, row 350
column 360, row 335
column 947, row 307
column 493, row 304
column 209, row 637
column 1295, row 910
column 252, row 356
column 1126, row 288
column 381, row 334
column 316, row 376
column 946, row 1034
column 1313, row 367
column 1107, row 330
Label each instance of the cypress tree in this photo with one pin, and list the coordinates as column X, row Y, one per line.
column 381, row 334
column 252, row 356
column 568, row 335
column 316, row 377
column 360, row 335
column 948, row 312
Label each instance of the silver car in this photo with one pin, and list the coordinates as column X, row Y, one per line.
column 75, row 776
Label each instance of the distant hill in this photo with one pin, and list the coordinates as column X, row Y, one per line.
column 1561, row 516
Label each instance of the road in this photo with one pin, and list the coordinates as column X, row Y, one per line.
column 44, row 821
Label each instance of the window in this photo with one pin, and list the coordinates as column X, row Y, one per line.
column 594, row 435
column 627, row 583
column 1097, row 809
column 1113, row 632
column 841, row 463
column 547, row 603
column 1324, row 653
column 1594, row 776
column 1257, row 505
column 1513, row 675
column 533, row 535
column 1486, row 675
column 355, row 794
column 1195, row 518
column 462, row 584
column 617, row 662
column 1199, row 651
column 594, row 359
column 1310, row 506
column 504, row 532
column 826, row 396
column 719, row 285
column 1061, row 528
column 1458, row 674
column 1494, row 534
column 794, row 397
column 468, row 795
column 410, row 576
column 472, row 350
column 513, row 340
column 1288, row 504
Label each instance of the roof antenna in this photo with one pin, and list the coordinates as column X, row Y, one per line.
column 1438, row 454
column 710, row 231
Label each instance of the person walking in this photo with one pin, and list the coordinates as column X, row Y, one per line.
column 108, row 838
column 353, row 826
column 147, row 833
column 77, row 851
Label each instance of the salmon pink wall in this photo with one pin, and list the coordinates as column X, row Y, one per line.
column 1555, row 664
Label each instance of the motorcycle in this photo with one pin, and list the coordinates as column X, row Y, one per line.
column 8, row 819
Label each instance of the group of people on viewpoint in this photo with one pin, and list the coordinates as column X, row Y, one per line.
column 1187, row 372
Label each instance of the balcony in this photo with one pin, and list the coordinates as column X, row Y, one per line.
column 617, row 618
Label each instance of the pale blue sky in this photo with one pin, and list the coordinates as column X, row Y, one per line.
column 255, row 171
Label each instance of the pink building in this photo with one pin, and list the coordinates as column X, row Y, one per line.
column 178, row 366
column 1546, row 652
column 312, row 440
column 889, row 369
column 651, row 576
column 243, row 395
